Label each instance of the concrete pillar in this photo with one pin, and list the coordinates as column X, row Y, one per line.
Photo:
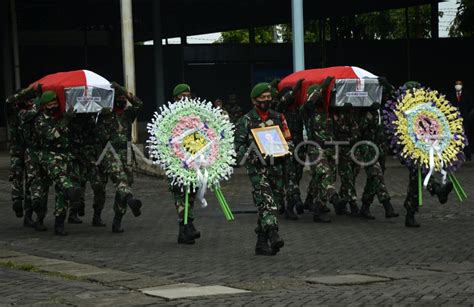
column 298, row 34
column 158, row 55
column 128, row 53
column 16, row 55
column 434, row 20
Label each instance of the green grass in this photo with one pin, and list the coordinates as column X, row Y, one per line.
column 31, row 268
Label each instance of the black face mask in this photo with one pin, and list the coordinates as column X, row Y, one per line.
column 53, row 110
column 263, row 105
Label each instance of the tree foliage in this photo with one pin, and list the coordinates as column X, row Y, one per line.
column 463, row 23
column 388, row 24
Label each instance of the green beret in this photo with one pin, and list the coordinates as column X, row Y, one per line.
column 412, row 84
column 181, row 88
column 313, row 88
column 259, row 89
column 47, row 96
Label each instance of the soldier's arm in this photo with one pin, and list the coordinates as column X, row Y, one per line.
column 28, row 115
column 284, row 101
column 241, row 138
column 135, row 107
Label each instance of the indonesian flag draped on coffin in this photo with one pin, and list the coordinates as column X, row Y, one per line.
column 83, row 90
column 352, row 85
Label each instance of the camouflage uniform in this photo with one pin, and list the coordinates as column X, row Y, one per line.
column 107, row 130
column 375, row 183
column 86, row 147
column 36, row 176
column 293, row 168
column 55, row 154
column 123, row 126
column 267, row 180
column 21, row 196
column 233, row 109
column 346, row 129
column 319, row 130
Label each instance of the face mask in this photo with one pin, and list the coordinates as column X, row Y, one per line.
column 53, row 110
column 263, row 105
column 458, row 87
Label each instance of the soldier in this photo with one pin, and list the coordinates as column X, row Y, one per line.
column 187, row 233
column 233, row 108
column 293, row 169
column 265, row 176
column 111, row 164
column 86, row 152
column 435, row 188
column 20, row 190
column 52, row 130
column 375, row 182
column 346, row 129
column 320, row 131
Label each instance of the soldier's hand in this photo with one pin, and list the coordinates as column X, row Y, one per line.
column 298, row 85
column 375, row 106
column 120, row 90
column 71, row 113
column 106, row 111
column 327, row 82
column 275, row 83
column 39, row 90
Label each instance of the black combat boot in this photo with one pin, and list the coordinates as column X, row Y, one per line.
column 289, row 212
column 325, row 208
column 73, row 218
column 117, row 224
column 59, row 225
column 319, row 216
column 365, row 212
column 410, row 219
column 81, row 209
column 18, row 208
column 275, row 241
column 262, row 248
column 389, row 211
column 281, row 208
column 134, row 204
column 339, row 204
column 354, row 208
column 443, row 192
column 308, row 202
column 28, row 220
column 299, row 206
column 193, row 232
column 185, row 235
column 39, row 224
column 96, row 219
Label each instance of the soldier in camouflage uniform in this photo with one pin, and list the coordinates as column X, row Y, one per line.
column 187, row 233
column 320, row 131
column 86, row 149
column 110, row 163
column 434, row 187
column 233, row 108
column 293, row 169
column 21, row 196
column 266, row 176
column 51, row 128
column 346, row 129
column 365, row 153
